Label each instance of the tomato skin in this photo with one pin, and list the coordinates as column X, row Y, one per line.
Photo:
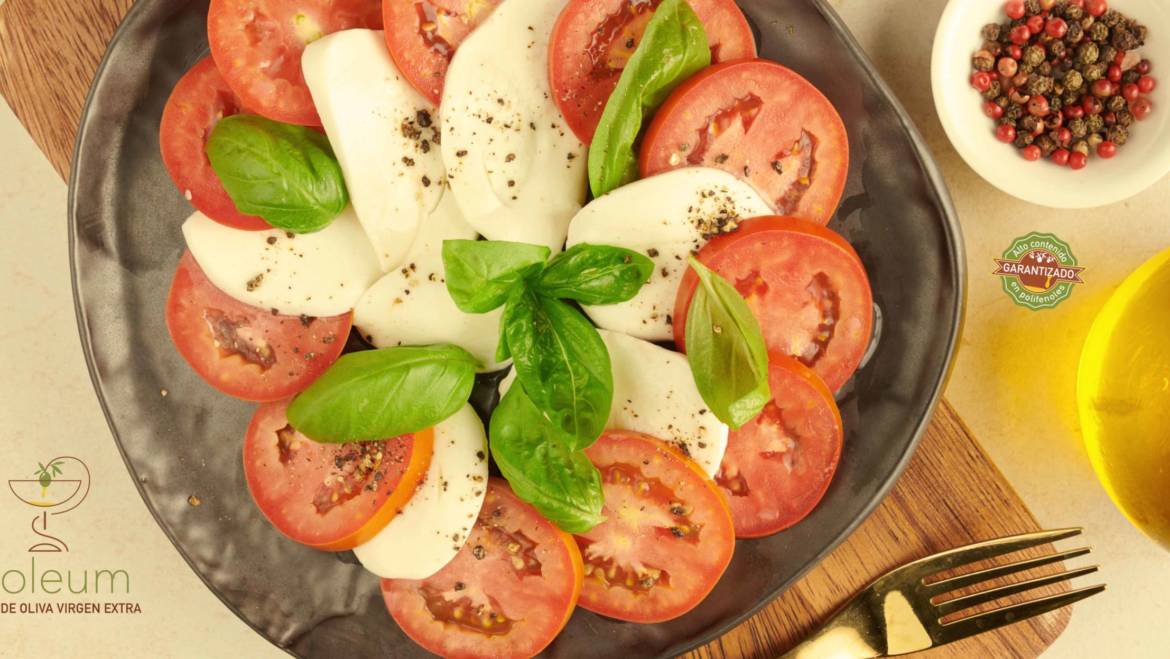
column 300, row 353
column 257, row 45
column 281, row 483
column 796, row 251
column 539, row 604
column 581, row 86
column 768, row 493
column 198, row 101
column 772, row 128
column 680, row 525
column 424, row 64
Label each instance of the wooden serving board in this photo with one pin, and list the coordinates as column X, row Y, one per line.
column 951, row 494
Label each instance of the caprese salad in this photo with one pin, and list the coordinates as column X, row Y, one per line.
column 614, row 199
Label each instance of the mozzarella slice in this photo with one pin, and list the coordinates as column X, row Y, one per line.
column 312, row 274
column 654, row 393
column 411, row 305
column 666, row 217
column 435, row 523
column 384, row 133
column 516, row 169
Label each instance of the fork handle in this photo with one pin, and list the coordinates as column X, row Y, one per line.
column 846, row 635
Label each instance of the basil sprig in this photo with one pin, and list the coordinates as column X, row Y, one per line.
column 726, row 350
column 596, row 274
column 561, row 363
column 542, row 468
column 378, row 394
column 285, row 174
column 674, row 47
column 481, row 273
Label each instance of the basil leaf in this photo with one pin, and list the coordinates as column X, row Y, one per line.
column 595, row 274
column 378, row 394
column 481, row 273
column 726, row 350
column 542, row 468
column 561, row 362
column 674, row 47
column 285, row 174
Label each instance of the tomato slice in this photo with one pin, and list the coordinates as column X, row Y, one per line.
column 422, row 36
column 332, row 497
column 763, row 123
column 668, row 537
column 806, row 286
column 507, row 593
column 199, row 100
column 593, row 40
column 778, row 466
column 257, row 45
column 243, row 351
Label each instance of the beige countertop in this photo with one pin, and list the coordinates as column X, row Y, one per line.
column 47, row 406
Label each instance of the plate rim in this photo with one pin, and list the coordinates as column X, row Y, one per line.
column 951, row 230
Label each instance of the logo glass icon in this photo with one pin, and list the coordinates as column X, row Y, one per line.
column 55, row 487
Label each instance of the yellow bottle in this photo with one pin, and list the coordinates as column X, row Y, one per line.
column 1123, row 396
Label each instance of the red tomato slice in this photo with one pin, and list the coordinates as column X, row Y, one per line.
column 243, row 351
column 668, row 537
column 200, row 99
column 806, row 286
column 422, row 36
column 763, row 123
column 330, row 496
column 778, row 466
column 593, row 40
column 257, row 45
column 507, row 593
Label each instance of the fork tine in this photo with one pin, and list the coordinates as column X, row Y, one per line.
column 971, row 625
column 972, row 578
column 990, row 595
column 985, row 550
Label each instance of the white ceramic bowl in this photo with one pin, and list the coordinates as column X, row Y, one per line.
column 1143, row 160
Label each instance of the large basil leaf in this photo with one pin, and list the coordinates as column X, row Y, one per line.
column 596, row 274
column 378, row 394
column 285, row 174
column 726, row 350
column 542, row 468
column 674, row 47
column 561, row 362
column 481, row 273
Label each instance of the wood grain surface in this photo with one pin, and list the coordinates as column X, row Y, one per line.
column 951, row 494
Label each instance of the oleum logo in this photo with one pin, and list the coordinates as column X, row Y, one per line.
column 56, row 584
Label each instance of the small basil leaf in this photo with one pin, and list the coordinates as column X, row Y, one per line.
column 285, row 174
column 596, row 274
column 726, row 350
column 674, row 47
column 561, row 362
column 481, row 273
column 378, row 394
column 542, row 468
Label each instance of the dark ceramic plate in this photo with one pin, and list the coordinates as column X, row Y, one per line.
column 125, row 216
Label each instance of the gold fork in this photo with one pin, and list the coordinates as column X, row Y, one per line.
column 900, row 612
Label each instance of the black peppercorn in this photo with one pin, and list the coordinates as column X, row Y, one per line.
column 991, row 32
column 1075, row 33
column 1045, row 69
column 1034, row 55
column 1087, row 53
column 1038, row 85
column 1117, row 104
column 983, row 61
column 1030, row 124
column 1078, row 128
column 1112, row 18
column 1013, row 112
column 1099, row 32
column 1126, row 39
column 1002, row 101
column 1130, row 77
column 993, row 90
column 1073, row 81
column 1125, row 118
column 1074, row 12
column 1023, row 139
column 993, row 47
column 1108, row 54
column 1095, row 123
column 1117, row 134
column 1047, row 145
column 1055, row 102
column 1057, row 49
column 1031, row 7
